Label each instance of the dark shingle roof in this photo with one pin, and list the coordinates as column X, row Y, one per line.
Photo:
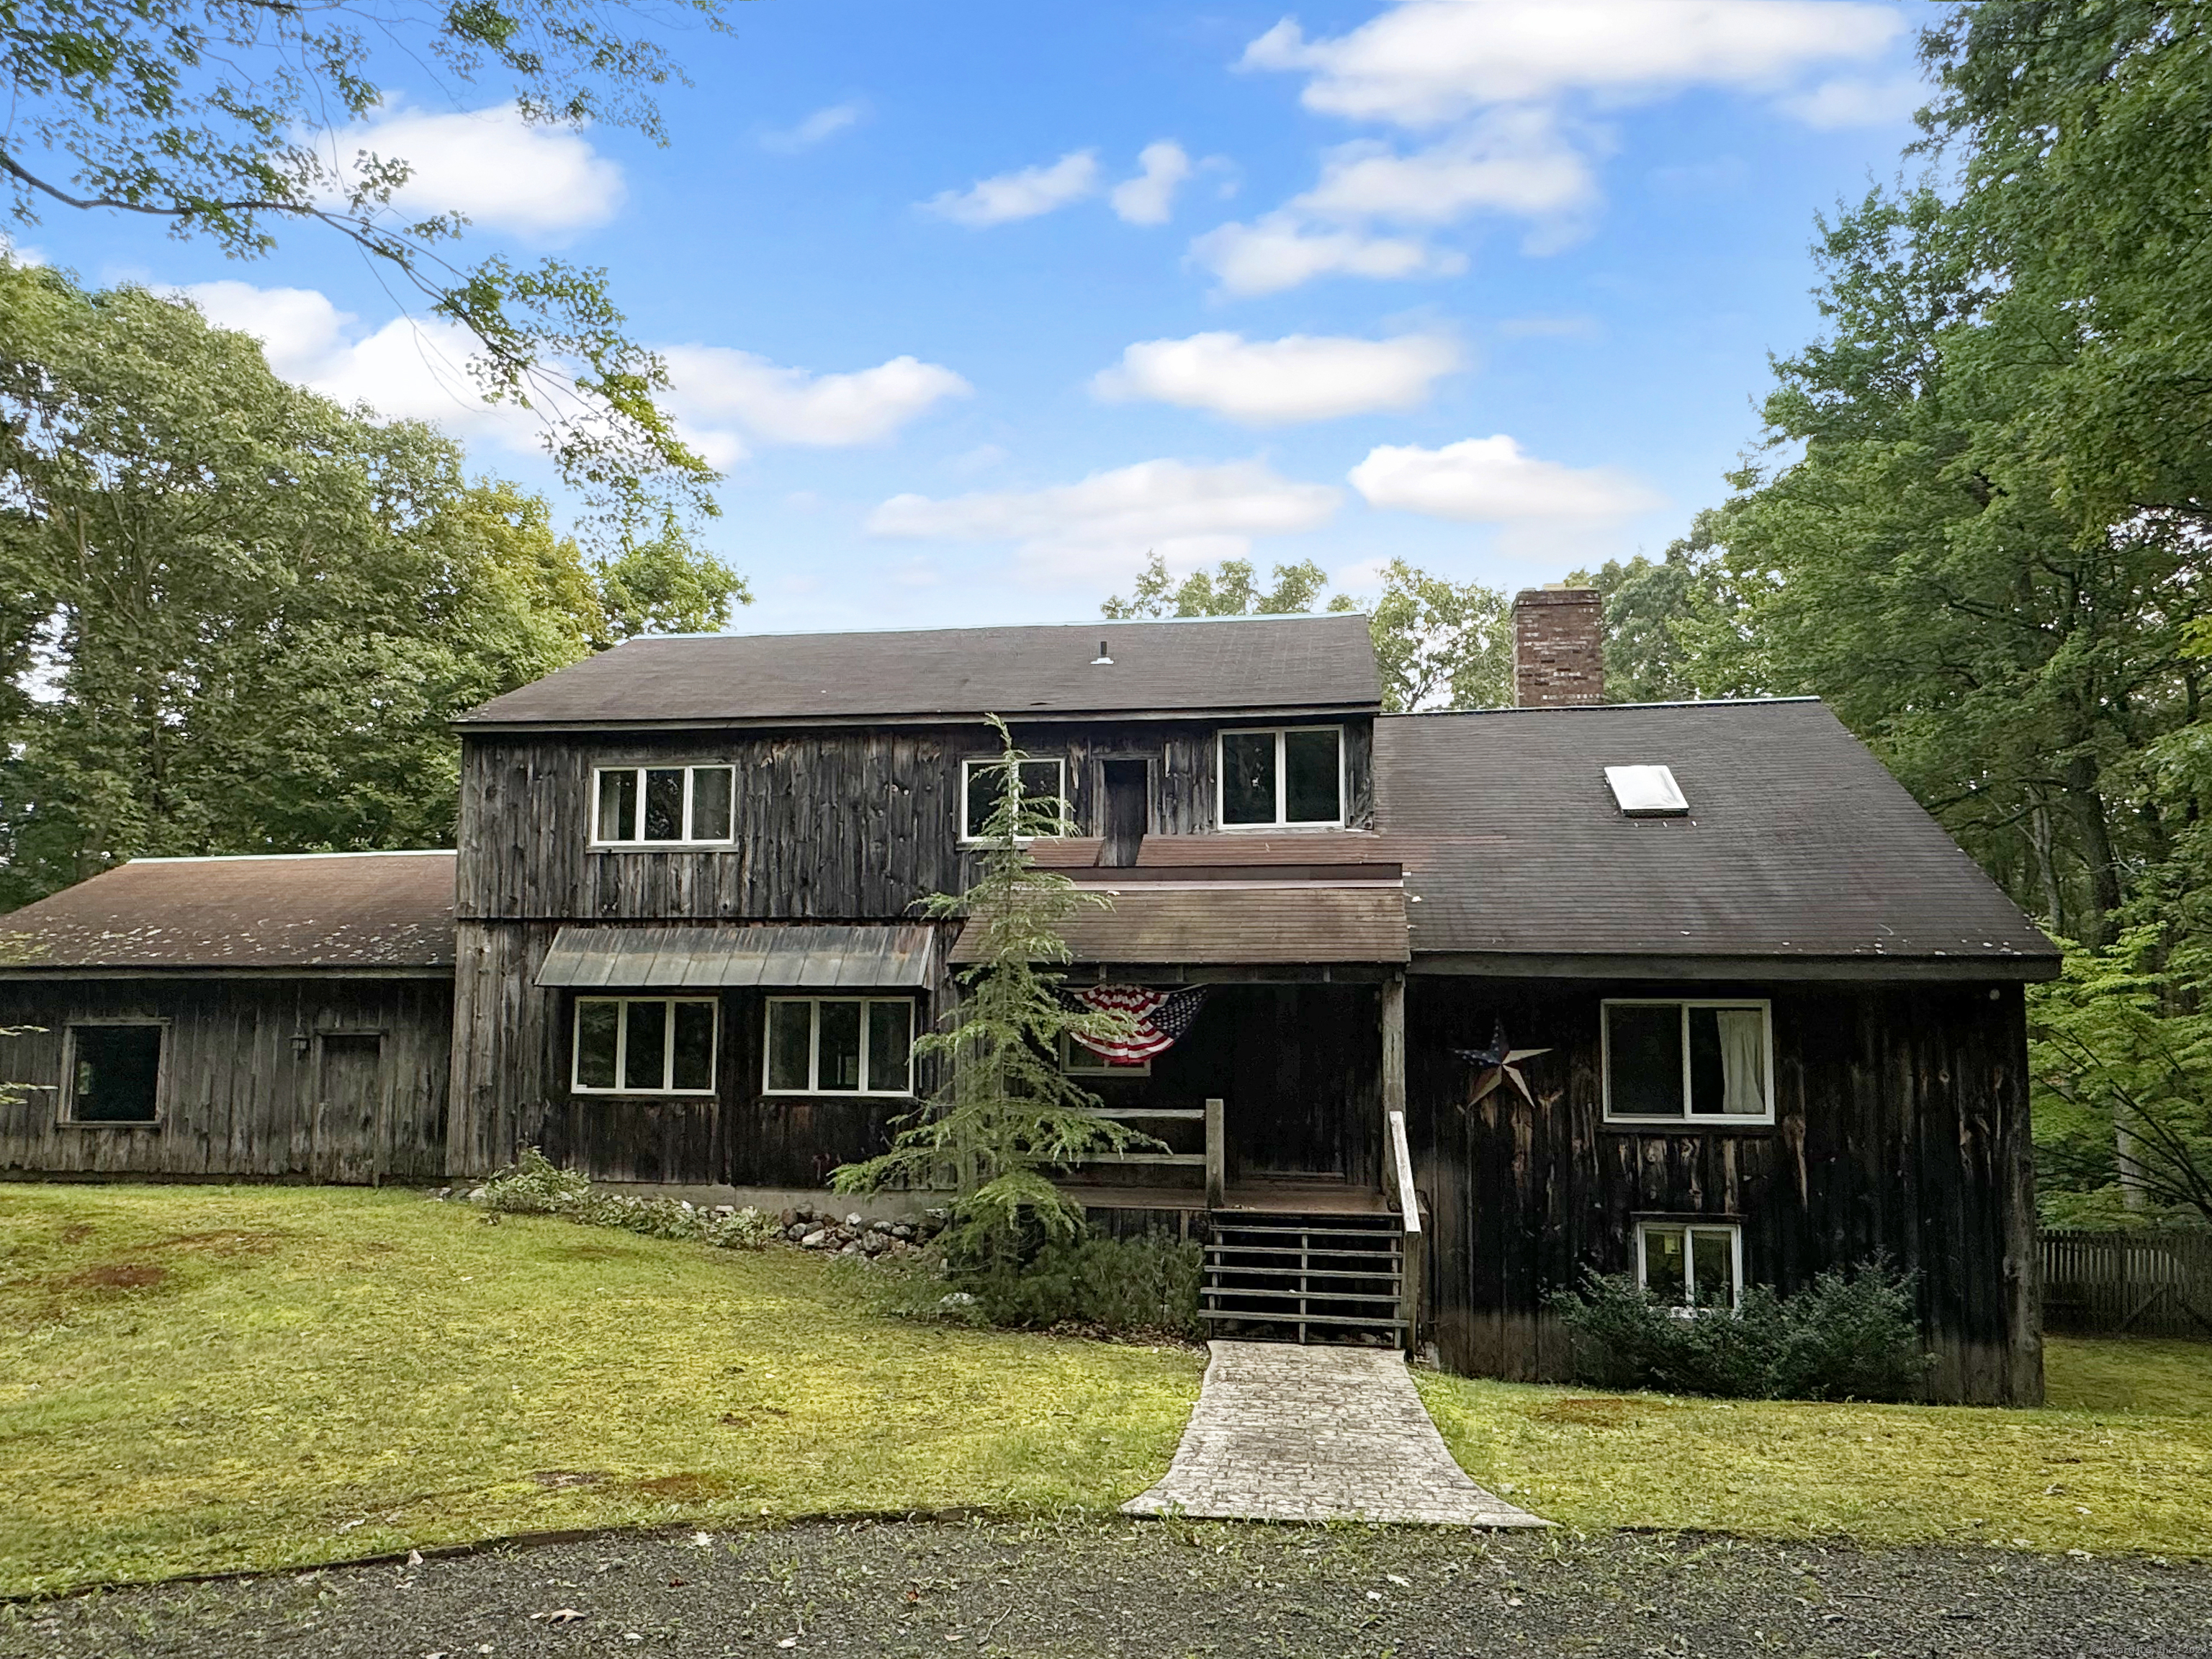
column 1232, row 921
column 1798, row 843
column 1201, row 666
column 361, row 911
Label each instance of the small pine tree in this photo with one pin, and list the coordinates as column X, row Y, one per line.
column 1005, row 1113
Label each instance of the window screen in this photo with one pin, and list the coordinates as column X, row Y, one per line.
column 1311, row 777
column 115, row 1073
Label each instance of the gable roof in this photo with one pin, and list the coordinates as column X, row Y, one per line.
column 1798, row 844
column 358, row 911
column 1210, row 665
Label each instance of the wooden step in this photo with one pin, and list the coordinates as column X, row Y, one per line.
column 1272, row 1231
column 1378, row 1323
column 1368, row 1273
column 1215, row 1251
column 1265, row 1295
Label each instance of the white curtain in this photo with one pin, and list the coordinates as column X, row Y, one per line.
column 1743, row 1061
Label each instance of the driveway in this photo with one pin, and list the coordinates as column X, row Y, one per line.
column 1159, row 1590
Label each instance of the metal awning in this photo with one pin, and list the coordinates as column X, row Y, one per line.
column 796, row 956
column 1234, row 923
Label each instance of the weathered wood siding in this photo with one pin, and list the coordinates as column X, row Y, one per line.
column 832, row 825
column 512, row 1088
column 244, row 1071
column 1902, row 1127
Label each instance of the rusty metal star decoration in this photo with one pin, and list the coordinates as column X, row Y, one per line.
column 1494, row 1065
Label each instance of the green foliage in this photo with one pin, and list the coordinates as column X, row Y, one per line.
column 228, row 122
column 1115, row 1286
column 534, row 1186
column 1005, row 1114
column 1650, row 605
column 1232, row 589
column 666, row 586
column 1438, row 644
column 2120, row 1052
column 1848, row 1335
column 236, row 618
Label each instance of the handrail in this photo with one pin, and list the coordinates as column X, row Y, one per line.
column 1409, row 1201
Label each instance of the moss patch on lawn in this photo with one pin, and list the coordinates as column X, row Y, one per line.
column 2121, row 1461
column 199, row 1379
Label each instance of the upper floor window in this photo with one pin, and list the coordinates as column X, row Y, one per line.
column 1044, row 784
column 641, row 803
column 839, row 1045
column 1689, row 1060
column 645, row 1046
column 1291, row 777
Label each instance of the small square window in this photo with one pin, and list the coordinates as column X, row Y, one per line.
column 1045, row 809
column 1077, row 1061
column 839, row 1045
column 1693, row 1060
column 114, row 1074
column 1690, row 1264
column 1290, row 778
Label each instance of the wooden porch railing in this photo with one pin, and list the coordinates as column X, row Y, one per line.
column 1213, row 1160
column 1411, row 1253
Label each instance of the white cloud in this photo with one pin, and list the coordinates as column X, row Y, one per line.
column 723, row 397
column 1430, row 62
column 1149, row 198
column 1303, row 377
column 1514, row 161
column 1491, row 481
column 824, row 123
column 1103, row 526
column 418, row 370
column 1855, row 101
column 1022, row 194
column 501, row 171
column 1279, row 250
column 404, row 370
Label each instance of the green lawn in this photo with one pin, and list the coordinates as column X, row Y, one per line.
column 196, row 1379
column 2120, row 1460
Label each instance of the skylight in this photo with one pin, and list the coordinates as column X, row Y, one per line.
column 1646, row 791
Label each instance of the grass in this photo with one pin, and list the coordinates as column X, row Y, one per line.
column 198, row 1379
column 2121, row 1459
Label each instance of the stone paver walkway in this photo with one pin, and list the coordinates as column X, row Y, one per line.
column 1288, row 1433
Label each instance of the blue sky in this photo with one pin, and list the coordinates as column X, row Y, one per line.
column 978, row 304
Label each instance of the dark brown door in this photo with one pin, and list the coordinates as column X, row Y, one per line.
column 1128, row 816
column 349, row 1107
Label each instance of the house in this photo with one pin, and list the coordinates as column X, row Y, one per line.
column 1463, row 1003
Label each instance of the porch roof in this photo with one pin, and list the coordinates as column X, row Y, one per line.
column 1244, row 922
column 800, row 958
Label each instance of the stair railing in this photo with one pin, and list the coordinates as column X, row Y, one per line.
column 1409, row 1218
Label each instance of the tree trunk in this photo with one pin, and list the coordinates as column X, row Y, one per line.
column 2087, row 803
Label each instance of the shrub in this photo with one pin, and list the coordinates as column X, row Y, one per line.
column 1119, row 1286
column 534, row 1186
column 1850, row 1334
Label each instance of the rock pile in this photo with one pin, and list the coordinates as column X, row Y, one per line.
column 813, row 1228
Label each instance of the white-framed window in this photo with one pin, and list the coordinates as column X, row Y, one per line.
column 1283, row 778
column 1076, row 1061
column 1688, row 1060
column 112, row 1072
column 1691, row 1264
column 645, row 1045
column 678, row 805
column 1043, row 782
column 838, row 1046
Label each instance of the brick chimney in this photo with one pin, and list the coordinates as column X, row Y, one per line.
column 1558, row 647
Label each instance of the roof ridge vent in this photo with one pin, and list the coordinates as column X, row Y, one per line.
column 1646, row 791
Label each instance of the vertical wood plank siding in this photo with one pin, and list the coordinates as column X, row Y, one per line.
column 1902, row 1127
column 839, row 825
column 241, row 1076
